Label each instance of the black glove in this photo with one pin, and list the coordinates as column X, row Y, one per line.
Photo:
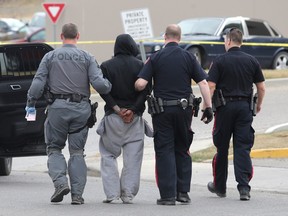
column 208, row 114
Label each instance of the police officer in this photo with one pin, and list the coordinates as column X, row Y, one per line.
column 233, row 74
column 172, row 69
column 67, row 71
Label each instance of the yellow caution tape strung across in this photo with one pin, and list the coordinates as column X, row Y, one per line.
column 86, row 42
column 60, row 42
column 162, row 41
column 222, row 43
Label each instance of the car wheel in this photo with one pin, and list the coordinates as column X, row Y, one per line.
column 196, row 52
column 5, row 166
column 281, row 61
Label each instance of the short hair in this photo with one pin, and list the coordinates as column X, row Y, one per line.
column 235, row 35
column 173, row 31
column 69, row 31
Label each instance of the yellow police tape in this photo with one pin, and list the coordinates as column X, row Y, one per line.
column 222, row 43
column 162, row 41
column 60, row 42
column 86, row 42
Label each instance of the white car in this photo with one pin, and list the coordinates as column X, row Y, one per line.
column 11, row 29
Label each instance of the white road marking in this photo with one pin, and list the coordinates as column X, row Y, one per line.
column 272, row 129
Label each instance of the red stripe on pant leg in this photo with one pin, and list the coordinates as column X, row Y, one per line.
column 156, row 173
column 214, row 161
column 252, row 174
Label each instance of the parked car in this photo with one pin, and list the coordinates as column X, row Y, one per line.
column 18, row 137
column 36, row 28
column 204, row 38
column 11, row 29
column 38, row 35
column 38, row 20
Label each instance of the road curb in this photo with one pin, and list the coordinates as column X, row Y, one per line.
column 268, row 153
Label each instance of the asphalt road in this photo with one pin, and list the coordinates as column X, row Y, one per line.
column 25, row 193
column 28, row 189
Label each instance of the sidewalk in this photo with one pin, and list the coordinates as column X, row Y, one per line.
column 270, row 168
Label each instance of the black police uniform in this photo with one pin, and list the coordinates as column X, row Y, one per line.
column 172, row 69
column 234, row 73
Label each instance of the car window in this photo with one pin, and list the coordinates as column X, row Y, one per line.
column 205, row 26
column 38, row 20
column 38, row 36
column 275, row 32
column 16, row 24
column 3, row 27
column 257, row 28
column 234, row 24
column 18, row 62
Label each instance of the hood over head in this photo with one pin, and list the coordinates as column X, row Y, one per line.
column 125, row 44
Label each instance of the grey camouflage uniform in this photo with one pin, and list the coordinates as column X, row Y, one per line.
column 67, row 70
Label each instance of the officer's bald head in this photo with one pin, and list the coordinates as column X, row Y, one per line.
column 235, row 35
column 70, row 31
column 173, row 32
column 233, row 38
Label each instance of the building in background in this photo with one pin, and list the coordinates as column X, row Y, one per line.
column 101, row 20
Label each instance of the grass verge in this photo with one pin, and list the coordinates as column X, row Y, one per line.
column 272, row 74
column 262, row 141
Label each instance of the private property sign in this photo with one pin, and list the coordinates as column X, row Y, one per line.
column 54, row 10
column 137, row 23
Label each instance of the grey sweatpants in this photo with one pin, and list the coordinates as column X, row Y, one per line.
column 63, row 118
column 117, row 136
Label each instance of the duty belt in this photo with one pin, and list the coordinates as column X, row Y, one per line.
column 183, row 102
column 236, row 98
column 71, row 97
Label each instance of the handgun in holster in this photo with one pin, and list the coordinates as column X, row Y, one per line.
column 218, row 99
column 156, row 105
column 92, row 118
column 151, row 109
column 196, row 105
column 161, row 104
column 48, row 96
column 153, row 105
column 253, row 103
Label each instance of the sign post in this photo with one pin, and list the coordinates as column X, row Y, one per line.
column 54, row 10
column 137, row 23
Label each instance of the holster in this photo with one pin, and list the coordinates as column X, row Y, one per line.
column 153, row 105
column 92, row 118
column 253, row 105
column 48, row 96
column 196, row 105
column 218, row 99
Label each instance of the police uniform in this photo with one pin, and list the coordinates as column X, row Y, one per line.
column 67, row 71
column 172, row 69
column 234, row 73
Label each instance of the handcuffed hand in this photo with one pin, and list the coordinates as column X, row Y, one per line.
column 207, row 115
column 127, row 115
